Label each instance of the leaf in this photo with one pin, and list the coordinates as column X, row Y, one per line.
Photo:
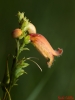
column 19, row 68
column 6, row 78
column 25, row 65
column 22, row 64
column 19, row 72
column 22, row 49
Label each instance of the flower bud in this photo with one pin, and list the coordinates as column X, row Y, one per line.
column 17, row 33
column 31, row 28
column 20, row 16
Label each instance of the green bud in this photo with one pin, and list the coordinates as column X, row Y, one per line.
column 24, row 24
column 20, row 16
column 27, row 39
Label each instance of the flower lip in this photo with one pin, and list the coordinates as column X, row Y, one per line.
column 44, row 47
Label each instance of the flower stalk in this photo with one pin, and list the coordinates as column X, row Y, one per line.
column 23, row 35
column 17, row 69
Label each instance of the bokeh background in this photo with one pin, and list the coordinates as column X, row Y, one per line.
column 55, row 19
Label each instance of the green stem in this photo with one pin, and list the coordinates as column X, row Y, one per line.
column 6, row 95
column 17, row 50
column 7, row 85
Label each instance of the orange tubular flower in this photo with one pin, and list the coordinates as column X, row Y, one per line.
column 44, row 47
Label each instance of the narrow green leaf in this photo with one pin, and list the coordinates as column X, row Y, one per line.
column 6, row 78
column 22, row 64
column 19, row 73
column 22, row 49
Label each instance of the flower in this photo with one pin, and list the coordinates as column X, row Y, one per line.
column 44, row 47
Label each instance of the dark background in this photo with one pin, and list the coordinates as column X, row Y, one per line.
column 55, row 19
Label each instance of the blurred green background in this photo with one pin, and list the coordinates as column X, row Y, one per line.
column 55, row 19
